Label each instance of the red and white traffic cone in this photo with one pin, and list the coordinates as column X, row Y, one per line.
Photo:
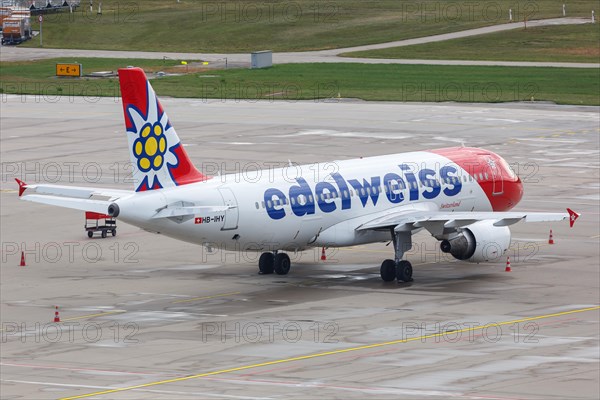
column 323, row 256
column 56, row 316
column 551, row 238
column 507, row 269
column 22, row 263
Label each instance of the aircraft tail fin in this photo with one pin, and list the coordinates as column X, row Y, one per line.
column 157, row 155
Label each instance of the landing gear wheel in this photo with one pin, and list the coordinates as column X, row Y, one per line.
column 114, row 232
column 90, row 234
column 265, row 263
column 282, row 263
column 388, row 270
column 103, row 234
column 404, row 271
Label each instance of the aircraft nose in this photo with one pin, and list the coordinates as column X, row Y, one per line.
column 514, row 191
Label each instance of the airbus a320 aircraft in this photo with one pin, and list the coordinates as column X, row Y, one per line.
column 460, row 195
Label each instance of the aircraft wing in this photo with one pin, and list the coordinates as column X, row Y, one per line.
column 437, row 222
column 78, row 198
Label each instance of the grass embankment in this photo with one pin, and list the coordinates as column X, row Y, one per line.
column 318, row 81
column 567, row 43
column 242, row 26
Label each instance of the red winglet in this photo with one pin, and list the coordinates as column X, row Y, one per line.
column 22, row 186
column 572, row 217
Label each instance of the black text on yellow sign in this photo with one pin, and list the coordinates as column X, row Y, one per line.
column 68, row 69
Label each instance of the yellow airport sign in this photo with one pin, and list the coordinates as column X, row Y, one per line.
column 68, row 69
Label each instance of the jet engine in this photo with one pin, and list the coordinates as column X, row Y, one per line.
column 478, row 242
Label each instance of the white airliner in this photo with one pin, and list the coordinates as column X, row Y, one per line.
column 460, row 195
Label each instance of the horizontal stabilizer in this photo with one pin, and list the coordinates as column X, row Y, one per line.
column 98, row 206
column 75, row 197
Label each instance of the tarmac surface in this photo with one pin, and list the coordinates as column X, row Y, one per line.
column 14, row 53
column 145, row 316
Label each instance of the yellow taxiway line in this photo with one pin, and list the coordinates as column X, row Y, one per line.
column 93, row 315
column 328, row 353
column 205, row 297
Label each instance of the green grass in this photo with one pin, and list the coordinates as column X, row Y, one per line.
column 246, row 25
column 291, row 82
column 38, row 77
column 567, row 43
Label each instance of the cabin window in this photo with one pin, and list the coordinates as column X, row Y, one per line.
column 293, row 200
column 269, row 204
column 345, row 194
column 263, row 204
column 256, row 204
column 487, row 177
column 310, row 198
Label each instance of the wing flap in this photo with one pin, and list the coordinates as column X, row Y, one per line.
column 435, row 222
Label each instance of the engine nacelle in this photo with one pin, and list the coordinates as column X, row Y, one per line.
column 479, row 242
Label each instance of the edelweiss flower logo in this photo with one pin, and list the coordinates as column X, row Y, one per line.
column 150, row 147
column 153, row 140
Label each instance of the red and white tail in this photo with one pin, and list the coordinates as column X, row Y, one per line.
column 157, row 155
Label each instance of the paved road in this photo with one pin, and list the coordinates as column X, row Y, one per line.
column 140, row 308
column 326, row 56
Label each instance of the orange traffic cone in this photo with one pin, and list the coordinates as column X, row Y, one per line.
column 323, row 256
column 56, row 316
column 507, row 269
column 551, row 238
column 22, row 264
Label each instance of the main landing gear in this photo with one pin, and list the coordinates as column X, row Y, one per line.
column 274, row 262
column 397, row 268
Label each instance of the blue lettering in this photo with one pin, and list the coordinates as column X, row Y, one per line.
column 452, row 180
column 344, row 190
column 367, row 189
column 302, row 199
column 324, row 199
column 427, row 178
column 395, row 185
column 274, row 200
column 412, row 182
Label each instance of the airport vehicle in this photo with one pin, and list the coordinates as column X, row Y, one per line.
column 98, row 222
column 15, row 30
column 460, row 195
